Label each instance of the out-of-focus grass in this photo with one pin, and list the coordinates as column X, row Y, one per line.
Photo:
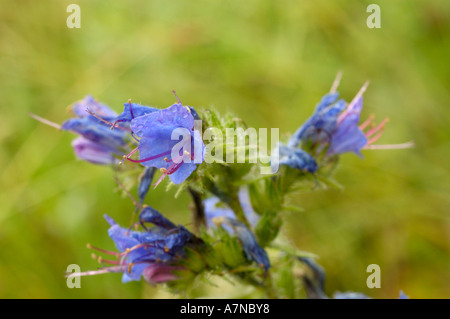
column 269, row 63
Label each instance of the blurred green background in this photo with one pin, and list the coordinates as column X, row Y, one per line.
column 268, row 62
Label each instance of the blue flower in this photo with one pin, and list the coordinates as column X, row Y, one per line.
column 213, row 207
column 131, row 111
column 159, row 135
column 93, row 152
column 321, row 124
column 295, row 158
column 332, row 129
column 348, row 135
column 89, row 104
column 252, row 249
column 148, row 252
column 99, row 144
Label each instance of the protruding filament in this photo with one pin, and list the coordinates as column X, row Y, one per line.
column 108, row 252
column 125, row 157
column 336, row 82
column 149, row 158
column 45, row 121
column 379, row 127
column 105, row 261
column 131, row 109
column 390, row 146
column 367, row 122
column 375, row 138
column 97, row 272
column 113, row 125
column 174, row 93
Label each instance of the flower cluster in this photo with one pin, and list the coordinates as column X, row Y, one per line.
column 332, row 129
column 152, row 254
column 237, row 214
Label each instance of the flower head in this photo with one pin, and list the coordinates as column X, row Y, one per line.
column 152, row 254
column 332, row 129
column 131, row 111
column 89, row 104
column 97, row 143
column 93, row 152
column 159, row 135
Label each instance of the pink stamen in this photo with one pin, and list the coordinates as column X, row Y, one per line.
column 149, row 158
column 113, row 125
column 375, row 138
column 377, row 128
column 174, row 93
column 172, row 169
column 108, row 252
column 117, row 121
column 131, row 109
column 106, row 261
column 367, row 122
column 125, row 157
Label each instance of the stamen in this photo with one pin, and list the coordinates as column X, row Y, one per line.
column 108, row 122
column 125, row 157
column 172, row 169
column 128, row 250
column 131, row 108
column 130, row 265
column 115, row 123
column 377, row 128
column 97, row 272
column 45, row 121
column 108, row 252
column 409, row 144
column 375, row 138
column 149, row 158
column 178, row 100
column 336, row 82
column 106, row 261
column 367, row 122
